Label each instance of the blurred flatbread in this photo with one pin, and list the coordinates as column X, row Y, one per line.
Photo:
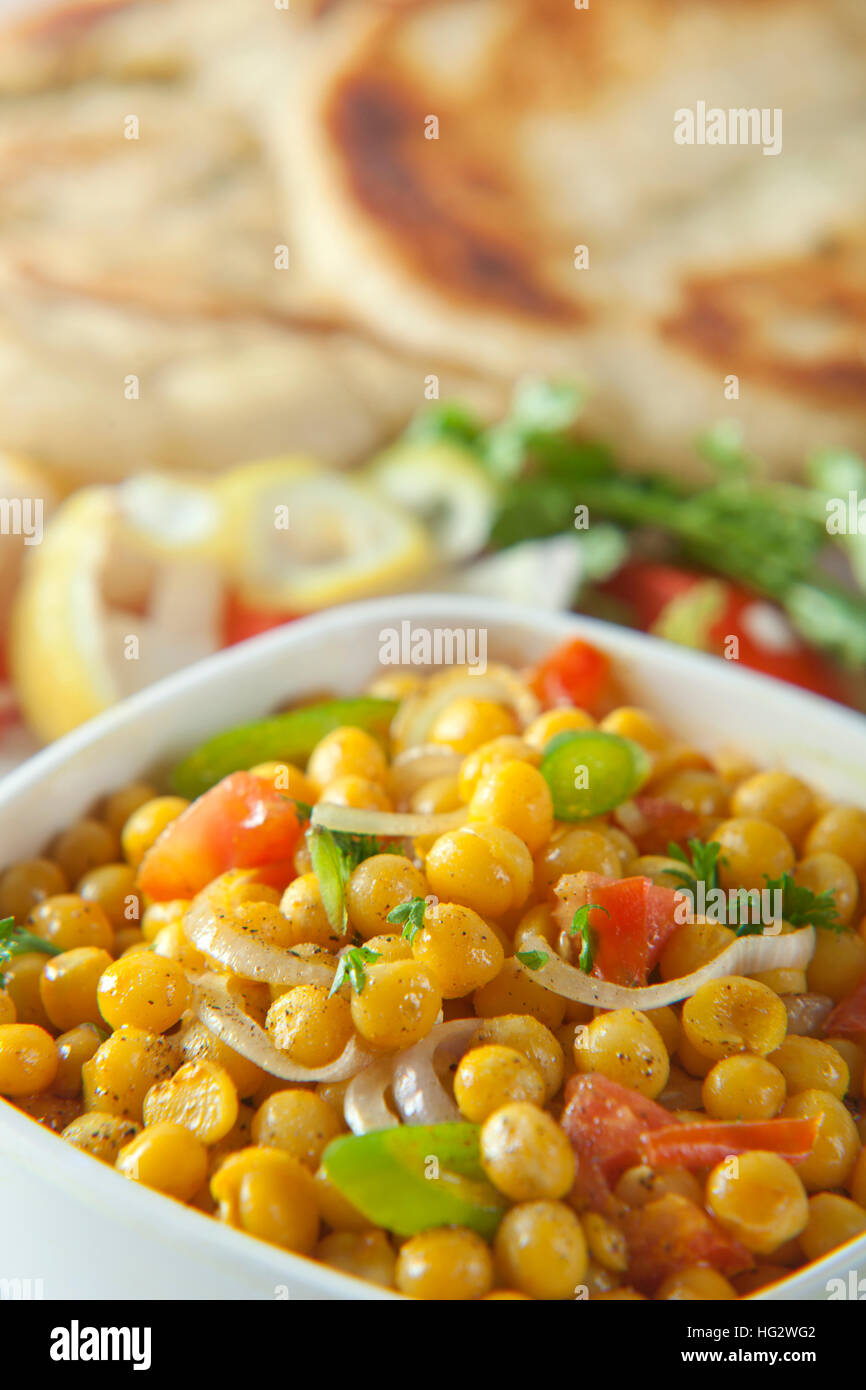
column 411, row 257
column 161, row 259
column 555, row 130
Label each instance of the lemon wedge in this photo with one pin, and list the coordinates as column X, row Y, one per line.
column 97, row 617
column 445, row 488
column 303, row 537
column 171, row 515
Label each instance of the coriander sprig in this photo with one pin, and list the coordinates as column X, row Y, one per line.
column 702, row 865
column 803, row 908
column 351, row 967
column 409, row 915
column 15, row 941
column 580, row 927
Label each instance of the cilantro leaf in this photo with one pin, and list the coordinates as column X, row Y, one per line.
column 701, row 865
column 533, row 960
column 351, row 967
column 803, row 908
column 15, row 941
column 581, row 928
column 409, row 915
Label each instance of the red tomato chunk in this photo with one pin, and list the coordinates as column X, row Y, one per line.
column 241, row 823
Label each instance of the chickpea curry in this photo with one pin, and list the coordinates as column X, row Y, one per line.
column 426, row 985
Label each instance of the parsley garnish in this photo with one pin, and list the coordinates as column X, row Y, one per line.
column 14, row 941
column 409, row 915
column 335, row 855
column 803, row 908
column 533, row 960
column 580, row 927
column 351, row 967
column 702, row 864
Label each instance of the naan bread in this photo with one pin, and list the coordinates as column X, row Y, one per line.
column 411, row 257
column 555, row 130
column 157, row 258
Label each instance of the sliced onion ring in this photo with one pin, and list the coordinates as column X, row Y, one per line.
column 747, row 955
column 365, row 1105
column 223, row 1017
column 415, row 766
column 419, row 1094
column 386, row 825
column 207, row 924
column 417, row 715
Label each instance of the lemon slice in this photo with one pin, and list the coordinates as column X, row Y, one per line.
column 303, row 538
column 96, row 617
column 444, row 488
column 170, row 515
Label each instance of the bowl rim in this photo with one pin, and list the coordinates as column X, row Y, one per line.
column 257, row 651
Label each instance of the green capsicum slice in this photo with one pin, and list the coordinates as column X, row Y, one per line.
column 413, row 1177
column 289, row 737
column 589, row 772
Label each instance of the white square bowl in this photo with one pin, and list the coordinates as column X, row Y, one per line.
column 86, row 1232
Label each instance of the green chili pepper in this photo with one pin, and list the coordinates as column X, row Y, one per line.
column 413, row 1177
column 589, row 772
column 287, row 737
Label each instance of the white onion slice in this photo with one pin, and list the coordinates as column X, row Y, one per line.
column 415, row 766
column 418, row 714
column 208, row 926
column 223, row 1017
column 393, row 825
column 365, row 1105
column 419, row 1094
column 747, row 955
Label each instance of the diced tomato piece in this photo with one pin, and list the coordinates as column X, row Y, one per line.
column 574, row 674
column 242, row 620
column 631, row 932
column 241, row 823
column 848, row 1019
column 649, row 588
column 704, row 1144
column 672, row 1233
column 659, row 821
column 607, row 1125
column 796, row 662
